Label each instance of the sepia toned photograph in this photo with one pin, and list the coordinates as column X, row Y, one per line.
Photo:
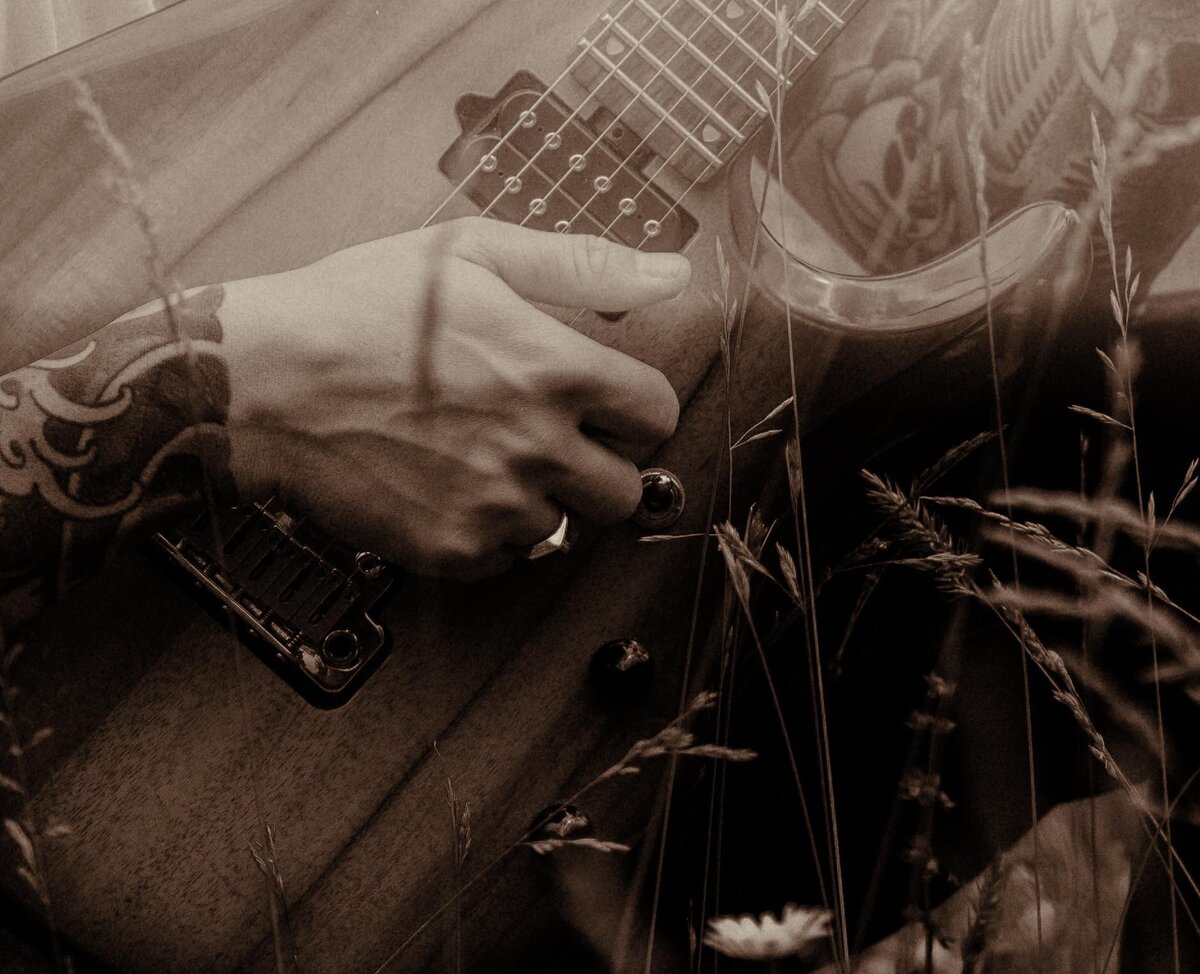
column 599, row 486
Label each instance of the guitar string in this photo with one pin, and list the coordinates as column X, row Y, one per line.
column 849, row 5
column 387, row 962
column 703, row 175
column 504, row 139
column 585, row 50
column 617, row 119
column 642, row 90
column 678, row 201
column 688, row 90
column 666, row 162
column 612, row 73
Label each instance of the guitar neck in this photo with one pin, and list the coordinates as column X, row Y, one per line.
column 686, row 74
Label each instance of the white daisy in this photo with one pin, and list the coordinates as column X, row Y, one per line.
column 798, row 931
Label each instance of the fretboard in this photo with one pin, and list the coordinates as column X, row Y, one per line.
column 685, row 75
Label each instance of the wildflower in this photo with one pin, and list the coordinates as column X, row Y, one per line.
column 798, row 931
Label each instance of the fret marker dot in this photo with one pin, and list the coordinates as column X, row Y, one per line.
column 614, row 46
column 527, row 119
column 652, row 228
column 537, row 207
column 562, row 226
column 710, row 133
column 488, row 163
column 602, row 183
column 627, row 205
column 733, row 10
column 553, row 140
column 577, row 162
column 512, row 184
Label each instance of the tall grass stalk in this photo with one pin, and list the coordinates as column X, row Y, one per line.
column 953, row 570
column 1122, row 296
column 672, row 741
column 798, row 496
column 972, row 69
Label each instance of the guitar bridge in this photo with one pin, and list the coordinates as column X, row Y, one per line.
column 305, row 601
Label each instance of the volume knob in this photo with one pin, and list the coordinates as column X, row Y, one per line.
column 662, row 499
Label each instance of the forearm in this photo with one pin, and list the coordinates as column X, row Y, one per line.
column 107, row 438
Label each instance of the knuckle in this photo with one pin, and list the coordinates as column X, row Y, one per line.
column 537, row 449
column 628, row 491
column 662, row 405
column 504, row 505
column 453, row 543
column 622, row 492
column 460, row 548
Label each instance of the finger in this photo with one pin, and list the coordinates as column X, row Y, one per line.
column 597, row 482
column 540, row 520
column 629, row 400
column 570, row 270
column 609, row 391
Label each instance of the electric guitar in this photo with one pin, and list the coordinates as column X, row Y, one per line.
column 268, row 143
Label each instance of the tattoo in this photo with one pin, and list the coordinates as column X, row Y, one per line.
column 109, row 436
column 877, row 147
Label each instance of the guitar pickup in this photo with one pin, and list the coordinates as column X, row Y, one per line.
column 526, row 157
column 304, row 601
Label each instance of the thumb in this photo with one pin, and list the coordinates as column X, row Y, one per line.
column 570, row 270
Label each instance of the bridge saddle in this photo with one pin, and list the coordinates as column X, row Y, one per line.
column 304, row 600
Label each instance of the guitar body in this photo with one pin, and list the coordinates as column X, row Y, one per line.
column 313, row 127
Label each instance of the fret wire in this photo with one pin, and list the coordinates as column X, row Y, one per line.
column 678, row 200
column 641, row 96
column 562, row 75
column 838, row 22
column 647, row 181
column 574, row 113
column 621, row 165
column 645, row 138
column 684, row 44
column 769, row 15
column 710, row 112
column 735, row 37
column 710, row 64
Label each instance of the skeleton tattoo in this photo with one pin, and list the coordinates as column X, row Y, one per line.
column 123, row 428
column 877, row 151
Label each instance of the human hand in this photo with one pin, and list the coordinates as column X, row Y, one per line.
column 405, row 395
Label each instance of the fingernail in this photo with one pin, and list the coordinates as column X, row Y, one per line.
column 662, row 265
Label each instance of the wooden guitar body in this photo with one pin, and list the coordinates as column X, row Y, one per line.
column 314, row 127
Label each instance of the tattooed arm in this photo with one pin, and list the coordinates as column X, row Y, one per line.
column 95, row 439
column 401, row 392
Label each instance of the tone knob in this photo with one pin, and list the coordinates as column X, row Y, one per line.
column 662, row 499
